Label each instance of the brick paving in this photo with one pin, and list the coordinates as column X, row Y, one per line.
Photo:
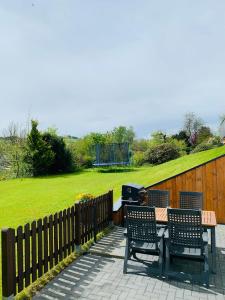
column 99, row 275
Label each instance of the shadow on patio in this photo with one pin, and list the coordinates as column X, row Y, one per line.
column 99, row 275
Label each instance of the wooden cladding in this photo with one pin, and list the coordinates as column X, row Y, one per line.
column 208, row 178
column 32, row 250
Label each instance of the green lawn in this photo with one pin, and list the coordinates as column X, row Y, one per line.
column 23, row 200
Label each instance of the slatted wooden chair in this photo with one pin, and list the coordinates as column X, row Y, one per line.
column 191, row 200
column 142, row 235
column 158, row 198
column 185, row 238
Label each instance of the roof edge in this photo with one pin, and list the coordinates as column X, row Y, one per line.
column 181, row 173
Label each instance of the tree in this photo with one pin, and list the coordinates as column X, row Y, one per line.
column 222, row 126
column 39, row 155
column 62, row 161
column 123, row 134
column 13, row 144
column 158, row 138
column 192, row 124
column 203, row 134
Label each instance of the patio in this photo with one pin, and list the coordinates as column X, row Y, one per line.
column 99, row 275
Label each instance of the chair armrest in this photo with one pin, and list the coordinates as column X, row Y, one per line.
column 125, row 233
column 166, row 234
column 205, row 237
column 160, row 233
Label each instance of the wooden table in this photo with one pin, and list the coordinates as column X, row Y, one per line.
column 208, row 222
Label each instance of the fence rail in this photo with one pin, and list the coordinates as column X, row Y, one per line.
column 30, row 251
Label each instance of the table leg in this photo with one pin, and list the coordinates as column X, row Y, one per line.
column 213, row 248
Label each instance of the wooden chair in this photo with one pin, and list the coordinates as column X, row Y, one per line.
column 185, row 238
column 191, row 200
column 142, row 235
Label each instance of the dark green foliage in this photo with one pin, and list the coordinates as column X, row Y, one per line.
column 62, row 161
column 39, row 155
column 46, row 153
column 159, row 154
column 182, row 136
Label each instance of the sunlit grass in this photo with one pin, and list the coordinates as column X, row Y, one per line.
column 23, row 200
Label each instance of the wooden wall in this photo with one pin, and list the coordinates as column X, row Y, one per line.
column 208, row 178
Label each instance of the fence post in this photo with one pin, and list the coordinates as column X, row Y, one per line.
column 8, row 264
column 95, row 220
column 110, row 206
column 77, row 228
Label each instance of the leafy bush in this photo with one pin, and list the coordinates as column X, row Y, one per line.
column 180, row 144
column 46, row 153
column 159, row 154
column 84, row 197
column 202, row 147
column 138, row 158
column 215, row 141
column 62, row 161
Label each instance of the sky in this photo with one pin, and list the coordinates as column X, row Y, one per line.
column 90, row 65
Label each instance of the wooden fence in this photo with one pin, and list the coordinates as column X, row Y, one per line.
column 32, row 250
column 208, row 178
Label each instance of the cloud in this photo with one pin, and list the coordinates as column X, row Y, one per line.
column 91, row 65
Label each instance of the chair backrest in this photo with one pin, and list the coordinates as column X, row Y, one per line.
column 185, row 227
column 158, row 198
column 191, row 200
column 141, row 223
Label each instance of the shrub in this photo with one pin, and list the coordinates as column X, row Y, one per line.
column 202, row 147
column 138, row 158
column 39, row 155
column 84, row 197
column 62, row 161
column 46, row 153
column 159, row 154
column 215, row 141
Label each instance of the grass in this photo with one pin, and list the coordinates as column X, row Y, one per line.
column 23, row 200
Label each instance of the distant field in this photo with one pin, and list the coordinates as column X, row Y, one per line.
column 23, row 200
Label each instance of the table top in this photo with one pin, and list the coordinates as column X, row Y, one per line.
column 208, row 217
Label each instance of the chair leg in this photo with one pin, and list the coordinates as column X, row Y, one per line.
column 127, row 251
column 134, row 255
column 161, row 255
column 206, row 266
column 167, row 268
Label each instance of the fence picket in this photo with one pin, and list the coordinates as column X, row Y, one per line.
column 27, row 254
column 40, row 249
column 45, row 225
column 60, row 237
column 56, row 246
column 73, row 227
column 68, row 231
column 64, row 234
column 50, row 241
column 34, row 250
column 20, row 258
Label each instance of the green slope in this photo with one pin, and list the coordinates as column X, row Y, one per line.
column 23, row 200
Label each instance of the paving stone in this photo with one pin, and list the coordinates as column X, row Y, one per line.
column 96, row 277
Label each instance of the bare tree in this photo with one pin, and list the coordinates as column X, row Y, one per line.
column 14, row 143
column 222, row 126
column 192, row 123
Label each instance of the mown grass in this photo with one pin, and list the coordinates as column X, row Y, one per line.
column 24, row 200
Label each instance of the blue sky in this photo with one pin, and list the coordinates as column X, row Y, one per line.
column 91, row 65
